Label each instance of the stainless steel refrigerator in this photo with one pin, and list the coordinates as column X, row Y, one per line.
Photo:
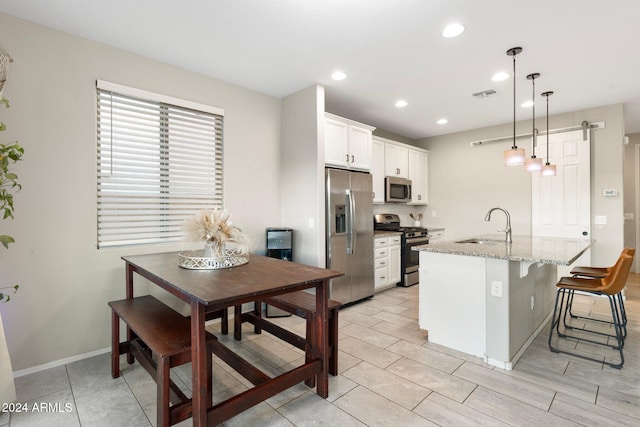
column 349, row 203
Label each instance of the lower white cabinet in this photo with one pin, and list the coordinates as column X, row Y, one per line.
column 386, row 253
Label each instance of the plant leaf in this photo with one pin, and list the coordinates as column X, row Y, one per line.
column 5, row 240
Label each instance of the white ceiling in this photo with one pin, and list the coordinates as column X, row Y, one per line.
column 587, row 51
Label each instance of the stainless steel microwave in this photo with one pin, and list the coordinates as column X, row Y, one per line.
column 397, row 190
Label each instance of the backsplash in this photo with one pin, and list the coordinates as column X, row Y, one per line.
column 403, row 211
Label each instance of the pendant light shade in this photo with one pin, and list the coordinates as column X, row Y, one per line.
column 548, row 169
column 514, row 156
column 533, row 164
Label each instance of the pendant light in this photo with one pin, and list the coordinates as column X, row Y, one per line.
column 533, row 164
column 548, row 169
column 514, row 156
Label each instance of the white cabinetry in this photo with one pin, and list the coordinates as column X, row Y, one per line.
column 386, row 261
column 377, row 170
column 394, row 259
column 418, row 174
column 347, row 144
column 396, row 160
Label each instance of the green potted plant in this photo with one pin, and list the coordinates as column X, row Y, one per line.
column 10, row 153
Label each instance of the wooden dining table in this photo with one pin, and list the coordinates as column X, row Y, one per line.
column 212, row 290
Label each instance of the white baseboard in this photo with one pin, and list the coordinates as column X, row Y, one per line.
column 56, row 363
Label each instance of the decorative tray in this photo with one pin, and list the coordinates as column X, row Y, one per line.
column 195, row 260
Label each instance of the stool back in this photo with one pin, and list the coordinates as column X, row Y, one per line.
column 617, row 279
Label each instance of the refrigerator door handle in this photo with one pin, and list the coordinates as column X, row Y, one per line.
column 350, row 217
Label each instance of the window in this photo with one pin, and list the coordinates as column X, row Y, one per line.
column 159, row 162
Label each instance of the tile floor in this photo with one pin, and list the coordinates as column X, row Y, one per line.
column 389, row 375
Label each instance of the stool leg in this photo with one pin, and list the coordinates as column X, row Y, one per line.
column 162, row 383
column 115, row 345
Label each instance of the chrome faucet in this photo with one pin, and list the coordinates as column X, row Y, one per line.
column 507, row 230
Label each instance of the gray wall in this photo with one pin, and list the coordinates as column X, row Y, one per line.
column 302, row 176
column 65, row 282
column 465, row 182
column 631, row 187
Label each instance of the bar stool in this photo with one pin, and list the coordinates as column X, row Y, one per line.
column 609, row 286
column 598, row 273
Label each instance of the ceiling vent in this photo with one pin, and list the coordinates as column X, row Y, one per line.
column 485, row 94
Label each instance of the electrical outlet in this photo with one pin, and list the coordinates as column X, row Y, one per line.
column 496, row 288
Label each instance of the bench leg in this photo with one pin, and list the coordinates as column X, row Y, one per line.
column 162, row 383
column 115, row 345
column 237, row 322
column 333, row 342
column 311, row 382
column 257, row 310
column 224, row 322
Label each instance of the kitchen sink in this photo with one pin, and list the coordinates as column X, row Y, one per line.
column 481, row 241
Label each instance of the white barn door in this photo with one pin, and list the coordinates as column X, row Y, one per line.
column 561, row 205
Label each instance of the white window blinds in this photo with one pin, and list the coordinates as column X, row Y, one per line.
column 159, row 162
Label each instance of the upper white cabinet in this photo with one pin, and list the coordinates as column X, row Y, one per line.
column 391, row 158
column 377, row 170
column 347, row 143
column 418, row 174
column 396, row 160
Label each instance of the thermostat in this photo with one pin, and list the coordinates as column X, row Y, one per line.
column 610, row 193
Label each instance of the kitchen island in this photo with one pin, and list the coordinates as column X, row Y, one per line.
column 488, row 298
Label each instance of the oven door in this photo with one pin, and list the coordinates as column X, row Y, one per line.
column 411, row 260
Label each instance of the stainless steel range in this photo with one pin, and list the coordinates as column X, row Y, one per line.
column 411, row 236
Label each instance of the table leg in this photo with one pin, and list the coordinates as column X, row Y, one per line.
column 199, row 369
column 320, row 338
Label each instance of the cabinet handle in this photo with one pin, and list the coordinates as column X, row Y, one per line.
column 353, row 159
column 383, row 263
column 347, row 157
column 419, row 196
column 383, row 253
column 397, row 171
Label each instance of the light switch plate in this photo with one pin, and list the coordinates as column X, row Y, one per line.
column 496, row 288
column 600, row 220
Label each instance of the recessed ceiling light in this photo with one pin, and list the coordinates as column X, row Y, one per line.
column 401, row 103
column 527, row 104
column 500, row 76
column 453, row 30
column 338, row 75
column 442, row 121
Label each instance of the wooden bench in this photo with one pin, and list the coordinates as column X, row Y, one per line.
column 161, row 339
column 302, row 304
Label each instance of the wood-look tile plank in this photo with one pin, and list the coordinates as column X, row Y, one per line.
column 433, row 379
column 497, row 380
column 589, row 414
column 446, row 412
column 512, row 411
column 397, row 389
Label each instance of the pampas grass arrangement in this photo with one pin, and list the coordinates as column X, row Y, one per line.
column 214, row 227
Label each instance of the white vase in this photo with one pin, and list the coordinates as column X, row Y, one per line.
column 7, row 386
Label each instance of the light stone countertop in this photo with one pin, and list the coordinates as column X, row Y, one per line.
column 546, row 250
